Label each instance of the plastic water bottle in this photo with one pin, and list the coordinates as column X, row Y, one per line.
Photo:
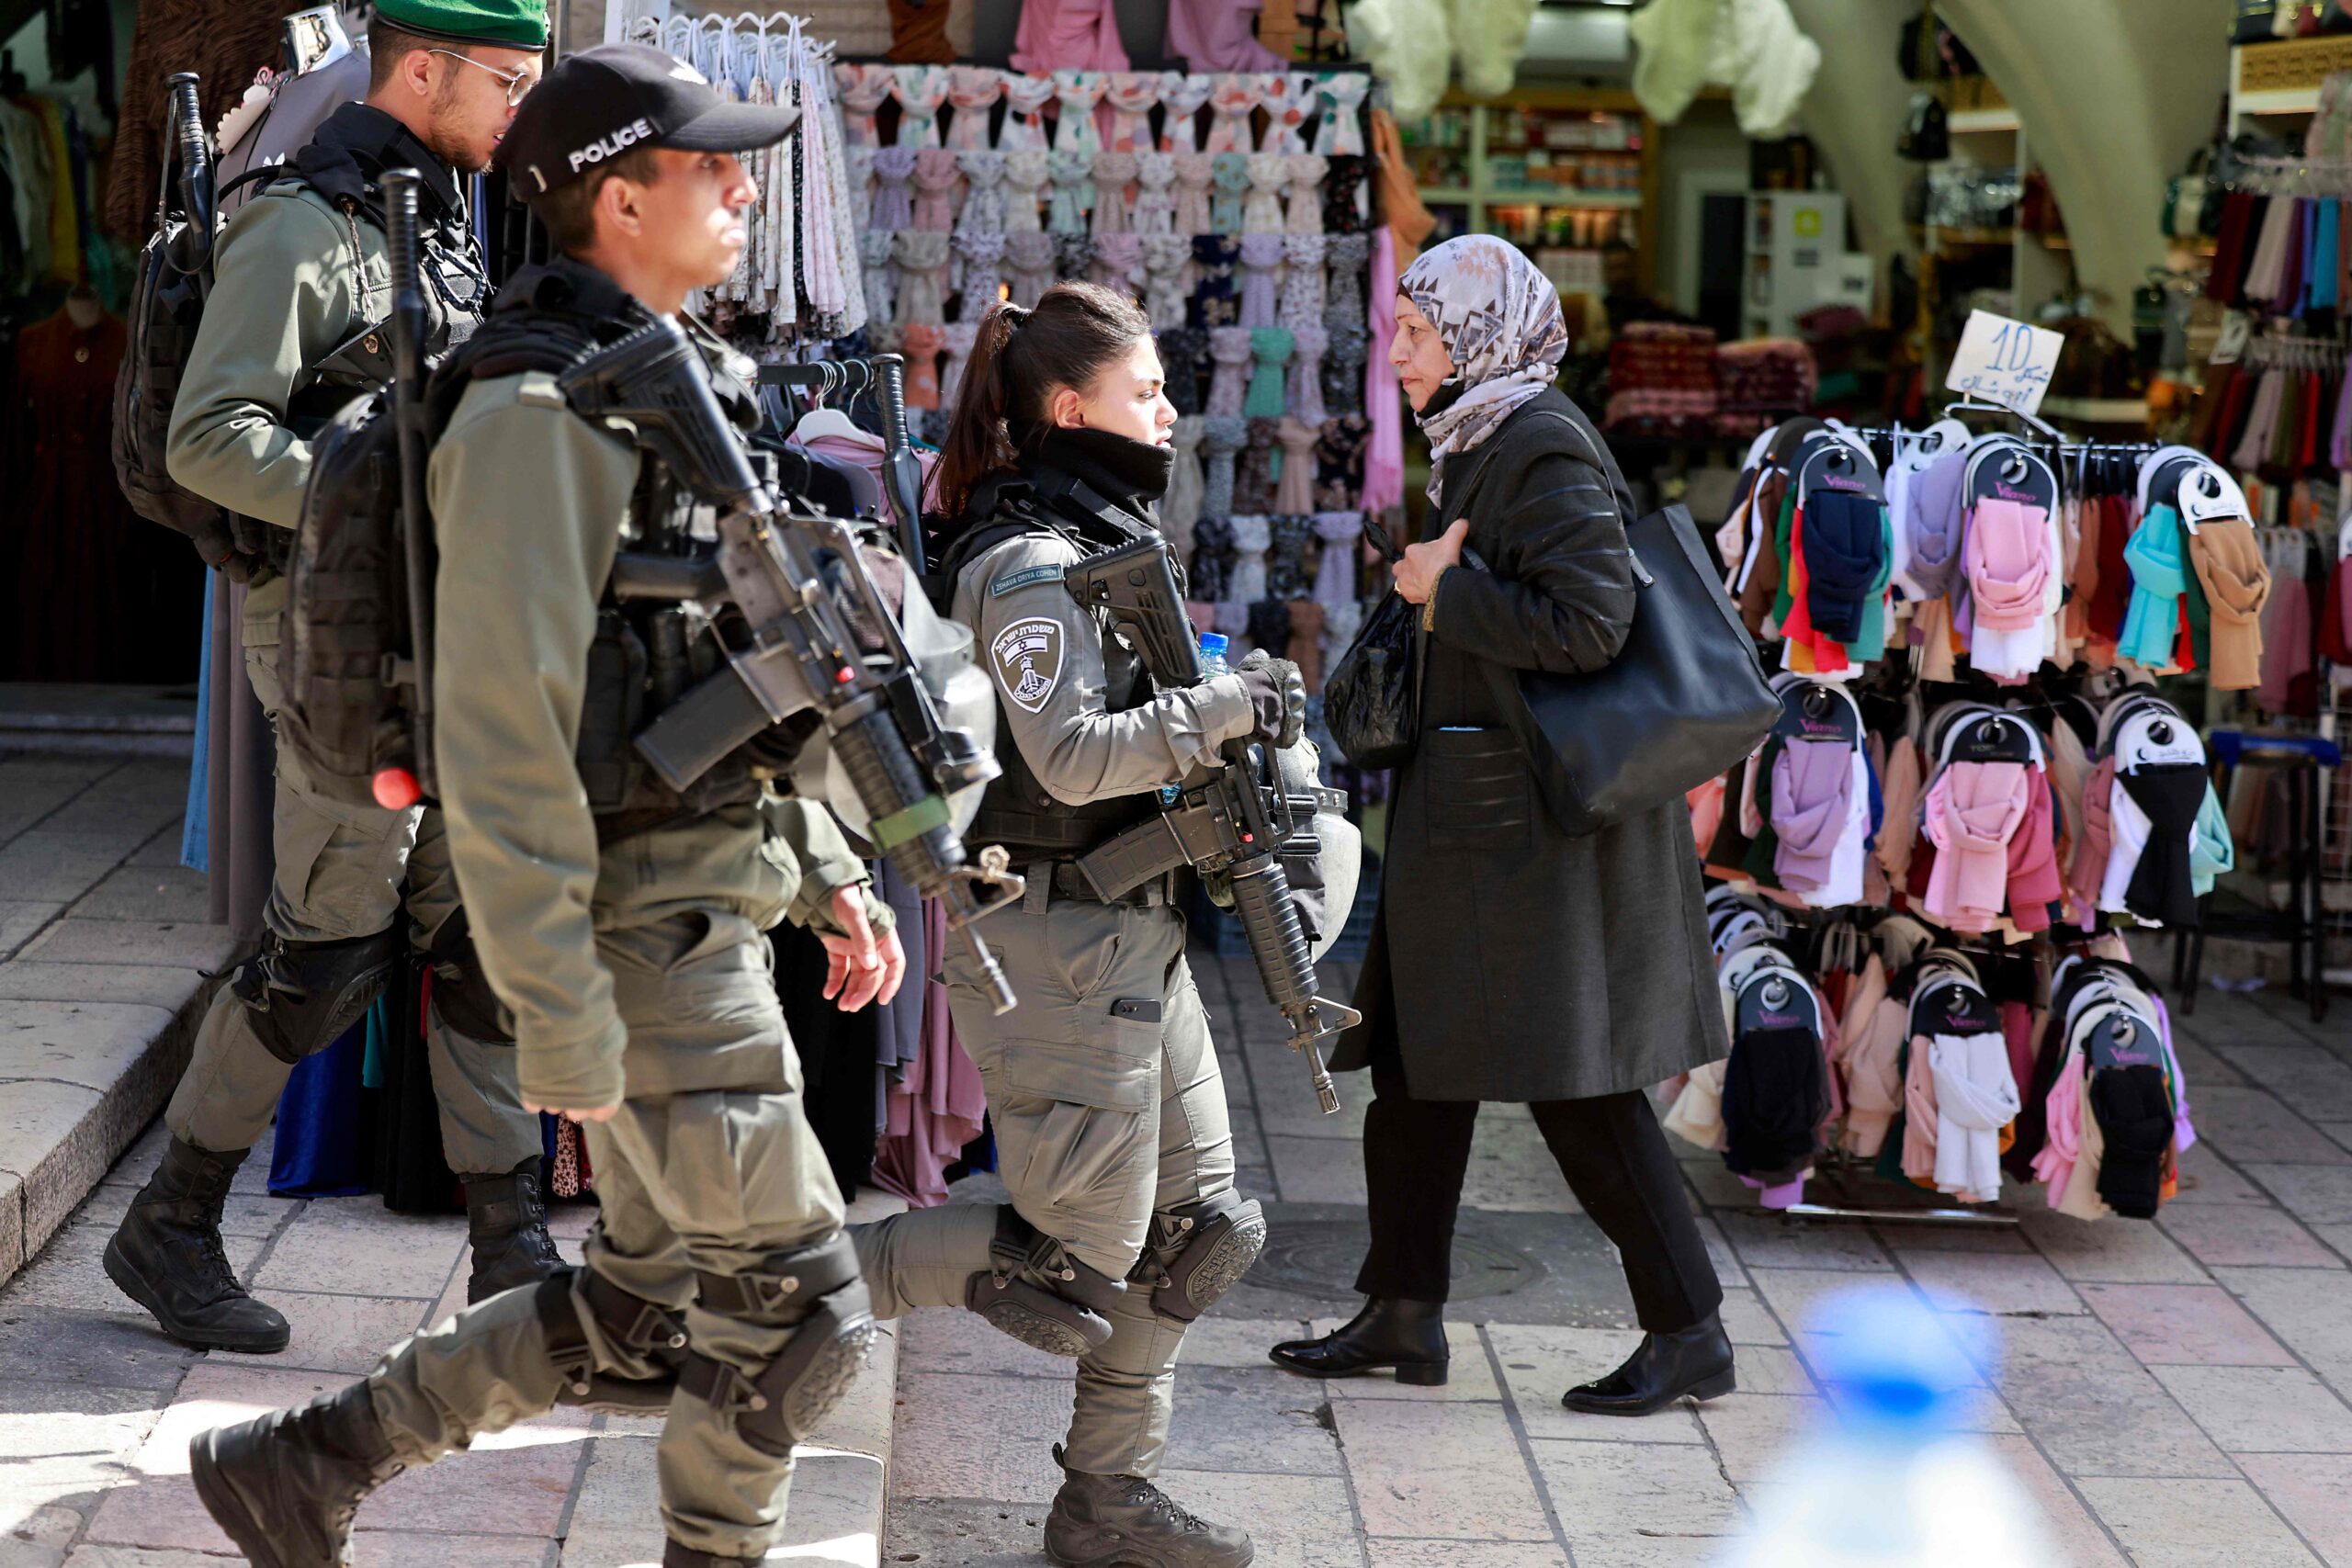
column 1889, row 1483
column 1212, row 647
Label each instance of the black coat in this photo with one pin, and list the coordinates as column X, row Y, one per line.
column 1509, row 961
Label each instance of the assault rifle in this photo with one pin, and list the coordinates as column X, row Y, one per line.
column 814, row 634
column 1239, row 823
column 411, row 419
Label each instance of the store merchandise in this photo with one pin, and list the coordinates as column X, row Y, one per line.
column 1867, row 1044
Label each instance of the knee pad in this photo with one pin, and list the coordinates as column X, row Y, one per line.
column 460, row 993
column 645, row 1328
column 1038, row 1294
column 304, row 995
column 1199, row 1251
column 819, row 1292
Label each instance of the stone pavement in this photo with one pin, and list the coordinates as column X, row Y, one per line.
column 96, row 1408
column 103, row 949
column 2173, row 1393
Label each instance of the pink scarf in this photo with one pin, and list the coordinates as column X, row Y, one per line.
column 2006, row 556
column 1972, row 813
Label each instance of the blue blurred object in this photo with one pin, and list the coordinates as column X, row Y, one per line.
column 195, row 849
column 321, row 1148
column 1889, row 1482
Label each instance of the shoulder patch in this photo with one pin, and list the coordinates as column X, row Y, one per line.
column 1028, row 656
column 1023, row 579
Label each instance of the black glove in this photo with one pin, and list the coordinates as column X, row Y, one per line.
column 1278, row 692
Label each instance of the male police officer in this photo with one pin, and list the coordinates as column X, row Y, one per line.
column 293, row 328
column 624, row 933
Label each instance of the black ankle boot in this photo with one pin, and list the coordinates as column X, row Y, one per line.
column 166, row 1256
column 1695, row 1362
column 1389, row 1332
column 506, row 1219
column 285, row 1486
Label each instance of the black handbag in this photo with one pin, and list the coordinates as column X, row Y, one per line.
column 1684, row 700
column 1371, row 696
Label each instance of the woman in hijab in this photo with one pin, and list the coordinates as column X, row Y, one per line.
column 1509, row 960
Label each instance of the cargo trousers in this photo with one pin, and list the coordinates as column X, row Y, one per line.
column 1109, row 1109
column 339, row 875
column 712, row 1181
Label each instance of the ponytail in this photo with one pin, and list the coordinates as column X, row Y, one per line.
column 1019, row 358
column 977, row 444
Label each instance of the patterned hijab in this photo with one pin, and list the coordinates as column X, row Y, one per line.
column 1500, row 320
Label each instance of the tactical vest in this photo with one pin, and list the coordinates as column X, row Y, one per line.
column 1017, row 810
column 650, row 648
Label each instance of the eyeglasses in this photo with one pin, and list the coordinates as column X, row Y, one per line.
column 519, row 82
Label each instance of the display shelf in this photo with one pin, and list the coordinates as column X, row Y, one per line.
column 2097, row 410
column 2284, row 77
column 1561, row 195
column 1482, row 162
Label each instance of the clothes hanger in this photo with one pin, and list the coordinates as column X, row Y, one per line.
column 825, row 420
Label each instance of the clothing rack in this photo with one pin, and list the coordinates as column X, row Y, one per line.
column 886, row 376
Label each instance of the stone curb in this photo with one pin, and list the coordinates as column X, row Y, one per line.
column 91, row 1041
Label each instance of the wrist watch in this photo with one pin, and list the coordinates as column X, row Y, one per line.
column 1429, row 606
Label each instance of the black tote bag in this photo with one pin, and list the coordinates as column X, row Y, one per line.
column 1684, row 700
column 1372, row 696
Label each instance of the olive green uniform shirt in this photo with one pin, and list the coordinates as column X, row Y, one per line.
column 528, row 503
column 293, row 280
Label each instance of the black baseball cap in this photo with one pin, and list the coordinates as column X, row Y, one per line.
column 615, row 98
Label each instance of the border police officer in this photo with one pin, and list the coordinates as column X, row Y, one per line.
column 1110, row 1114
column 623, row 930
column 294, row 327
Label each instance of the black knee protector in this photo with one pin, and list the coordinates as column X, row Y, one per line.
column 1038, row 1294
column 1199, row 1251
column 820, row 1293
column 304, row 995
column 645, row 1328
column 460, row 994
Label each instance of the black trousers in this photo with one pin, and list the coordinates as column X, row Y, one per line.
column 1611, row 1148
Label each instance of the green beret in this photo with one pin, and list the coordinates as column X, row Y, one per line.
column 506, row 23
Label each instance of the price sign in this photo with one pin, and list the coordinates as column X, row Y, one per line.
column 2005, row 362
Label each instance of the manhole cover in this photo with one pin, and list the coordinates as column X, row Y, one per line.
column 1320, row 1258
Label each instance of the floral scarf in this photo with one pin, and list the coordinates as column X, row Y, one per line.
column 1500, row 320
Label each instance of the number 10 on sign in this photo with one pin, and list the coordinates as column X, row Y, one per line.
column 2005, row 362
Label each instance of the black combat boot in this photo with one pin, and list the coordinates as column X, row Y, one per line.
column 286, row 1485
column 1694, row 1361
column 1389, row 1332
column 506, row 1219
column 1099, row 1521
column 166, row 1256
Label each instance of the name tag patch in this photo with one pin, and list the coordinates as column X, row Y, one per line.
column 1025, row 578
column 1028, row 656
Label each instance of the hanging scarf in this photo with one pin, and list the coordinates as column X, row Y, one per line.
column 1845, row 552
column 2169, row 795
column 2006, row 555
column 2157, row 577
column 1813, row 786
column 1972, row 812
column 1500, row 321
column 1934, row 522
column 2237, row 584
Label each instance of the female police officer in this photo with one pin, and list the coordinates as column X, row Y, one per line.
column 1110, row 1114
